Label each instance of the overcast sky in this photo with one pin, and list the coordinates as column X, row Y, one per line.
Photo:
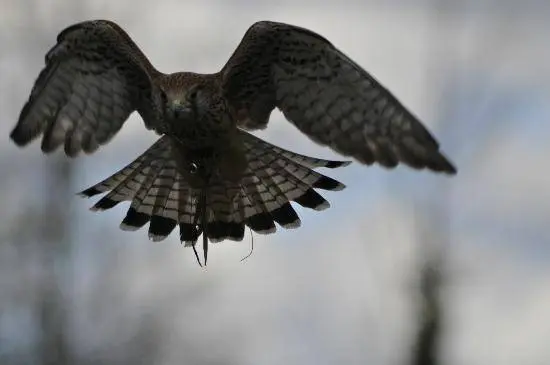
column 341, row 289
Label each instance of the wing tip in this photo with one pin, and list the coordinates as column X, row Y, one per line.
column 440, row 163
column 21, row 136
column 17, row 138
column 449, row 169
column 417, row 157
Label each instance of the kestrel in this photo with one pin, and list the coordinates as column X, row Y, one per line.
column 206, row 173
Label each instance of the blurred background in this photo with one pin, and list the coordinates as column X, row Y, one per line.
column 406, row 267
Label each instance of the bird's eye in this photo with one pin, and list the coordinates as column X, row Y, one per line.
column 192, row 95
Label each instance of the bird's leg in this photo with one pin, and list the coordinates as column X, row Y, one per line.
column 197, row 255
column 196, row 166
column 204, row 224
column 202, row 212
column 195, row 223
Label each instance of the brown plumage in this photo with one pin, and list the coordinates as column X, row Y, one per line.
column 206, row 173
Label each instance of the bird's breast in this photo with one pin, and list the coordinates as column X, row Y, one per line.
column 203, row 133
column 202, row 159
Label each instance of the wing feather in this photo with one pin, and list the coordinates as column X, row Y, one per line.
column 325, row 95
column 94, row 78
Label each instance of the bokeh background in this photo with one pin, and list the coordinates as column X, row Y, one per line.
column 350, row 286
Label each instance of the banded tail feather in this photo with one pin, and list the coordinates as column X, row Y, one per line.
column 159, row 195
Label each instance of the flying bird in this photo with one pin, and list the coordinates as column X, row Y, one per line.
column 206, row 173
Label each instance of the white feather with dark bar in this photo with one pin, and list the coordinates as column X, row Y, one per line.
column 159, row 195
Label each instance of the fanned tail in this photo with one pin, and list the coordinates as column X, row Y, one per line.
column 158, row 193
column 160, row 196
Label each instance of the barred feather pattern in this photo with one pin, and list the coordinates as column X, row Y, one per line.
column 160, row 196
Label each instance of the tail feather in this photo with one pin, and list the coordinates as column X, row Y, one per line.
column 257, row 195
column 162, row 197
column 288, row 167
column 292, row 188
column 306, row 161
column 277, row 206
column 286, row 216
column 127, row 188
column 139, row 165
column 134, row 220
column 187, row 209
column 310, row 177
column 225, row 218
column 160, row 227
column 137, row 215
column 280, row 209
column 164, row 218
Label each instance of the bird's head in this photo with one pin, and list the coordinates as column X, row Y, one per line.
column 187, row 104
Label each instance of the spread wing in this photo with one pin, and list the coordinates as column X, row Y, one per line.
column 94, row 78
column 325, row 95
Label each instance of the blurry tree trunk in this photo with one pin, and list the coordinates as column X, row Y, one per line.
column 54, row 239
column 426, row 349
column 433, row 212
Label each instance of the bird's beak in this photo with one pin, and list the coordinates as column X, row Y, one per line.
column 183, row 111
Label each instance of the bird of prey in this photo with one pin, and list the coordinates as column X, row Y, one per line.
column 206, row 173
